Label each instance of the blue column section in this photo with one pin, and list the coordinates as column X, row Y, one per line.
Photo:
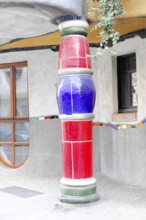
column 76, row 94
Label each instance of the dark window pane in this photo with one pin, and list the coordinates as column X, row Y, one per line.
column 127, row 82
column 5, row 132
column 21, row 92
column 4, row 92
column 22, row 132
column 21, row 153
column 132, row 62
column 125, row 91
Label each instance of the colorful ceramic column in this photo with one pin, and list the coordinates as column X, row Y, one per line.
column 76, row 98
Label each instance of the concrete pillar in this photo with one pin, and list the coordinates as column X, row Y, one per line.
column 76, row 99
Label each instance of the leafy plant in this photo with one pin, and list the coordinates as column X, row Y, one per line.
column 106, row 14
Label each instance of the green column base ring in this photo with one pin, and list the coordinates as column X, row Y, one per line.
column 78, row 194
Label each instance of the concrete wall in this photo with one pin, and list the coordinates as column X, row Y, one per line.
column 123, row 154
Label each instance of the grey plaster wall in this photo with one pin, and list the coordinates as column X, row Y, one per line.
column 102, row 69
column 123, row 154
column 96, row 150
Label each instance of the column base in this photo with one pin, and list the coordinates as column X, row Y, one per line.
column 78, row 194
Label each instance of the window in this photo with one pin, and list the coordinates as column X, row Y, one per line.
column 127, row 83
column 14, row 115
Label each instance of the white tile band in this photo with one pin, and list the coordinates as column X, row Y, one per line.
column 78, row 182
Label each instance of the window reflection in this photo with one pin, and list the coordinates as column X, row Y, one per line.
column 5, row 132
column 4, row 92
column 21, row 153
column 134, row 89
column 21, row 92
column 6, row 154
column 22, row 132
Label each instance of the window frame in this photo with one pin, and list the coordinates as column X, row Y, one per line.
column 129, row 108
column 13, row 118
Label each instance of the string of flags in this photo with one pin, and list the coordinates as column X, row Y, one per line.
column 96, row 124
column 120, row 126
column 46, row 117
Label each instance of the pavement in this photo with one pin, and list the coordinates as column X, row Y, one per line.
column 36, row 199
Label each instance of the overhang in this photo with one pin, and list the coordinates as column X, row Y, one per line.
column 37, row 21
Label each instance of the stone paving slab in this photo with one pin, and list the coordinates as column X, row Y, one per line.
column 20, row 191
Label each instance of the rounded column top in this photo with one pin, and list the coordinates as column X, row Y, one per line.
column 83, row 24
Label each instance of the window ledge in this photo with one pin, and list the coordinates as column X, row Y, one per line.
column 124, row 117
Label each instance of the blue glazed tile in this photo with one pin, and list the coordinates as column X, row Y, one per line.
column 113, row 126
column 144, row 121
column 76, row 94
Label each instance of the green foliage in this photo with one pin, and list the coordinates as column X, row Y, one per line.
column 107, row 12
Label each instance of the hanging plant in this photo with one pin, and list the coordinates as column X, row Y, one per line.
column 106, row 14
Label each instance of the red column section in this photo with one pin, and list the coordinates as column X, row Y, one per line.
column 77, row 149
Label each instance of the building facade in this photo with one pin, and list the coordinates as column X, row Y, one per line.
column 119, row 126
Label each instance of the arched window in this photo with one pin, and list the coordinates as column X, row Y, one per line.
column 14, row 114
